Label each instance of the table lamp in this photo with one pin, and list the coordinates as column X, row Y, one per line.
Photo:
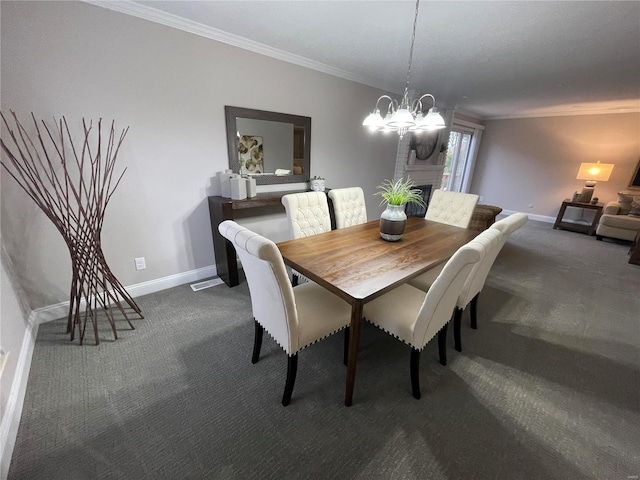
column 592, row 173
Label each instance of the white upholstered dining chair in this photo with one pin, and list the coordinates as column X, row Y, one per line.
column 415, row 317
column 307, row 214
column 478, row 277
column 294, row 317
column 348, row 206
column 452, row 208
column 510, row 224
column 492, row 240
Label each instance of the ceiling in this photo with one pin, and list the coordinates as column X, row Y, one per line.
column 502, row 59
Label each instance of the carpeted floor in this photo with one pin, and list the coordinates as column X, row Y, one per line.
column 548, row 387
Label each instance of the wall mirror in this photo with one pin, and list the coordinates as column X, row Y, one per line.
column 272, row 147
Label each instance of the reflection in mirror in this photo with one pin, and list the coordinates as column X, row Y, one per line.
column 273, row 147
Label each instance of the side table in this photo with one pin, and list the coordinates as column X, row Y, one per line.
column 579, row 227
column 221, row 209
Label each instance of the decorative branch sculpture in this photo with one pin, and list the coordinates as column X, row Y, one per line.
column 73, row 186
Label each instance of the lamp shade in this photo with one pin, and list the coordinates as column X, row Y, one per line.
column 402, row 118
column 599, row 172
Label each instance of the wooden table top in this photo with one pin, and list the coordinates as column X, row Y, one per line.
column 357, row 265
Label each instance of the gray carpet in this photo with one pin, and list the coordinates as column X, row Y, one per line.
column 548, row 387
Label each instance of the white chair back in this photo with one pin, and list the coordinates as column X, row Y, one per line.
column 307, row 213
column 272, row 297
column 510, row 224
column 492, row 241
column 441, row 298
column 348, row 206
column 452, row 208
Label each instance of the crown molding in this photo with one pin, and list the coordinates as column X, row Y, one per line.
column 173, row 21
column 564, row 113
column 157, row 16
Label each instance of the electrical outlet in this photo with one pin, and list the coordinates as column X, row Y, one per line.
column 140, row 263
column 481, row 198
column 531, row 205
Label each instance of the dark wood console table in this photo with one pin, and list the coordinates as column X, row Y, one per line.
column 221, row 209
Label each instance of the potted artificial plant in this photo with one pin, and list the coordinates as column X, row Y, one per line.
column 396, row 194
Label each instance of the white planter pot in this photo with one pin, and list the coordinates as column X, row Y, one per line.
column 392, row 223
column 317, row 185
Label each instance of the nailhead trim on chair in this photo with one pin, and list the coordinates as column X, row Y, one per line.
column 419, row 349
column 304, row 346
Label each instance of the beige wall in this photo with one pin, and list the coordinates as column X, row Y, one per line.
column 535, row 161
column 170, row 87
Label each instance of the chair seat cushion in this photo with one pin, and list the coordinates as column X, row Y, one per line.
column 620, row 221
column 320, row 313
column 424, row 281
column 396, row 312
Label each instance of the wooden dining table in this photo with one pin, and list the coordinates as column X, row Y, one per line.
column 358, row 266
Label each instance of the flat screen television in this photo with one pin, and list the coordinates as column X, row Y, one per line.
column 635, row 179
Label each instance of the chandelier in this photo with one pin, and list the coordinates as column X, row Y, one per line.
column 405, row 117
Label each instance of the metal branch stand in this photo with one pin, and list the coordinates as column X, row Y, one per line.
column 73, row 187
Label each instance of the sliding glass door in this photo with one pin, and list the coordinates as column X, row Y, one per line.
column 461, row 152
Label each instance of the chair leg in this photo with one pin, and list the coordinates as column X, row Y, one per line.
column 457, row 320
column 414, row 369
column 442, row 344
column 257, row 342
column 292, row 368
column 346, row 345
column 474, row 311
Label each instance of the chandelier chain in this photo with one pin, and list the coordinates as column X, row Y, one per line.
column 405, row 116
column 413, row 39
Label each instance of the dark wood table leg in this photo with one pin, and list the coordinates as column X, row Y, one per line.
column 354, row 341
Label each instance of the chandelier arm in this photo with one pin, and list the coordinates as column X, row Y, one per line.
column 384, row 96
column 426, row 95
column 429, row 95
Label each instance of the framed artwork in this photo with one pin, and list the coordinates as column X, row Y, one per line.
column 425, row 144
column 250, row 154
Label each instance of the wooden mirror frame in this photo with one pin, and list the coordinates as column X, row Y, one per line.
column 231, row 113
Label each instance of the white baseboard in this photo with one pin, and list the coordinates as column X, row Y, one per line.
column 532, row 216
column 59, row 310
column 15, row 401
column 13, row 411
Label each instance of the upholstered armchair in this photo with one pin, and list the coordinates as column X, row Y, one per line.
column 620, row 219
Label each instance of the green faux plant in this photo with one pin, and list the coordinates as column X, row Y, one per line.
column 315, row 177
column 400, row 192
